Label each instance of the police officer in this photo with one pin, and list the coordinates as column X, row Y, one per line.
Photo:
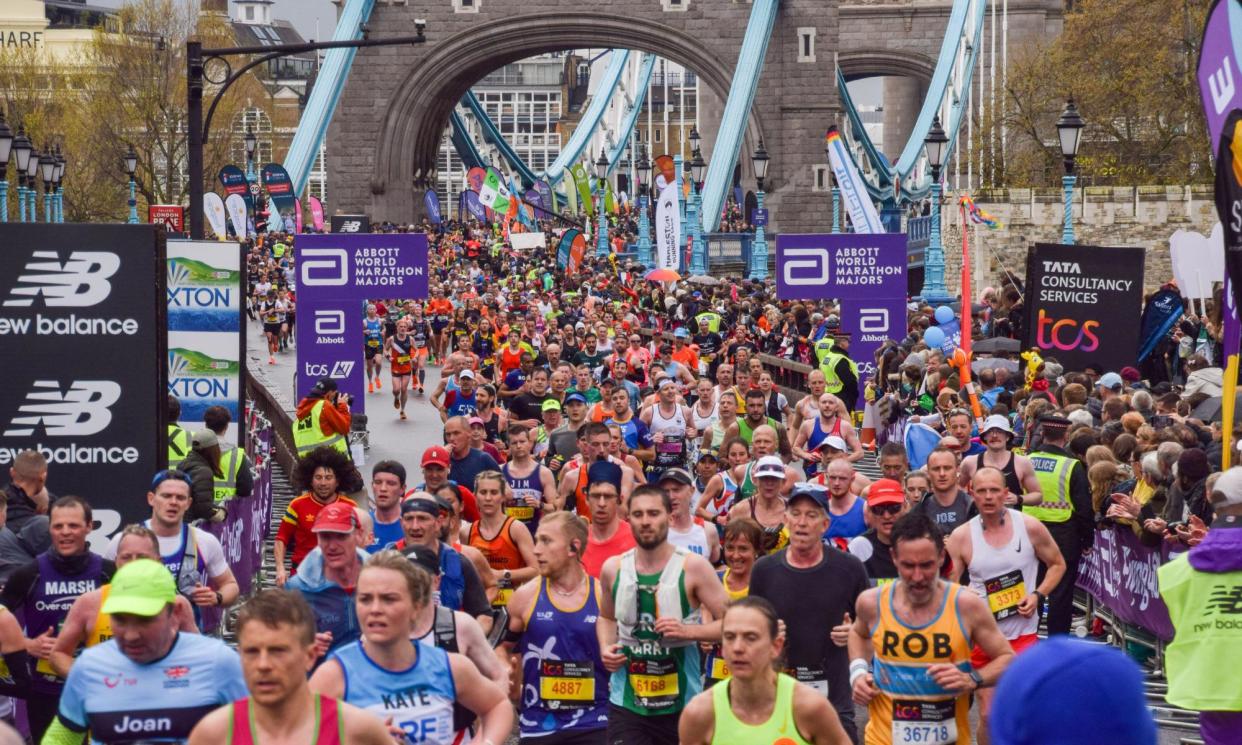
column 178, row 436
column 1065, row 510
column 840, row 372
column 236, row 479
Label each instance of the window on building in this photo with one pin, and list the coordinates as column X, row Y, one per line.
column 658, row 138
column 249, row 12
column 820, row 180
column 806, row 44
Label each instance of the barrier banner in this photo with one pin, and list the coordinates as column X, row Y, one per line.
column 1120, row 573
column 248, row 522
column 234, row 181
column 351, row 224
column 171, row 216
column 205, row 343
column 1081, row 302
column 843, row 266
column 337, row 274
column 93, row 294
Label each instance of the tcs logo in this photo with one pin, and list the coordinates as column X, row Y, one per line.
column 1066, row 334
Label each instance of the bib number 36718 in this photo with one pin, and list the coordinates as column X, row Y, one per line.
column 924, row 722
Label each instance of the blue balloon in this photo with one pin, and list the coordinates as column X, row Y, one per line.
column 944, row 314
column 934, row 337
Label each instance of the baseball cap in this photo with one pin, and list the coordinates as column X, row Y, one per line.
column 575, row 398
column 551, row 405
column 769, row 466
column 676, row 474
column 808, row 490
column 421, row 556
column 476, row 420
column 421, row 502
column 204, row 438
column 681, row 334
column 1111, row 380
column 603, row 471
column 143, row 587
column 436, row 455
column 997, row 421
column 338, row 517
column 1094, row 686
column 835, row 442
column 886, row 491
column 1230, row 485
column 466, row 374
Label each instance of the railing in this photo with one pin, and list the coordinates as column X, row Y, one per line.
column 283, row 448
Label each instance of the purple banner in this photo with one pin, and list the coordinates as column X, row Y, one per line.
column 242, row 533
column 1219, row 76
column 1120, row 573
column 432, row 202
column 843, row 266
column 870, row 323
column 545, row 194
column 474, row 206
column 337, row 273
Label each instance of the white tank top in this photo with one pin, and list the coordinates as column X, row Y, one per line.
column 704, row 423
column 1004, row 576
column 693, row 540
column 673, row 425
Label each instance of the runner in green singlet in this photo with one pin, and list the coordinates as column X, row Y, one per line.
column 758, row 704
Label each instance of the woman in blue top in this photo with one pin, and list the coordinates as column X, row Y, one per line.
column 410, row 685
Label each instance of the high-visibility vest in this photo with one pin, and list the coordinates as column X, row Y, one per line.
column 278, row 251
column 230, row 465
column 1052, row 471
column 308, row 435
column 823, row 347
column 832, row 383
column 1202, row 658
column 178, row 445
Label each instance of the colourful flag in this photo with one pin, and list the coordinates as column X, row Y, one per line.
column 584, row 188
column 853, row 190
column 494, row 195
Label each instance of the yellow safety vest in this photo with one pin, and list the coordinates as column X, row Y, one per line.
column 1203, row 658
column 1052, row 471
column 832, row 383
column 230, row 465
column 178, row 445
column 308, row 435
column 278, row 251
column 823, row 347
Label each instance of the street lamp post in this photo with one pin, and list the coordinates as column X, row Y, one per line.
column 131, row 165
column 32, row 185
column 759, row 249
column 60, row 179
column 252, row 144
column 1069, row 130
column 698, row 250
column 6, row 149
column 601, row 232
column 644, row 189
column 47, row 168
column 22, row 149
column 933, row 260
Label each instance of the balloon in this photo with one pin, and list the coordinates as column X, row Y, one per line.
column 944, row 314
column 934, row 337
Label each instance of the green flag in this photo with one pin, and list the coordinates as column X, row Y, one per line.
column 494, row 195
column 584, row 189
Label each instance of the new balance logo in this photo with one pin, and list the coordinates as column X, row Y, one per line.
column 80, row 282
column 1224, row 599
column 81, row 411
column 351, row 226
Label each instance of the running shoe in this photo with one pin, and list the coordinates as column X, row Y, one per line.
column 379, row 384
column 370, row 388
column 403, row 415
column 271, row 360
column 396, row 403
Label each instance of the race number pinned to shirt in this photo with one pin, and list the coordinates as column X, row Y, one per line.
column 1005, row 593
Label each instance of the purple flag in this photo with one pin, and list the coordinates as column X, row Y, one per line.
column 474, row 206
column 1219, row 76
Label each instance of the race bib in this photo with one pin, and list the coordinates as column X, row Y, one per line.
column 504, row 591
column 654, row 682
column 373, row 343
column 720, row 668
column 403, row 359
column 567, row 684
column 520, row 512
column 925, row 722
column 1005, row 593
column 813, row 677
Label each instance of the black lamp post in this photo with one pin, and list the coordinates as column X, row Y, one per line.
column 1069, row 131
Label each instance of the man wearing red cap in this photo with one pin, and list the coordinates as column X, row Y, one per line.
column 328, row 575
column 886, row 501
column 327, row 476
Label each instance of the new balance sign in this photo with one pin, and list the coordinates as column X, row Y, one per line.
column 84, row 304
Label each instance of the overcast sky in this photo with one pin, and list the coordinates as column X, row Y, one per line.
column 303, row 14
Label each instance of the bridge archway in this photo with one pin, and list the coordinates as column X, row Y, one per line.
column 906, row 77
column 410, row 136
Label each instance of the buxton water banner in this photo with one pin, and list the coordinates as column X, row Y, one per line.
column 1081, row 302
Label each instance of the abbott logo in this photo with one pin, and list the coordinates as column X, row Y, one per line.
column 80, row 282
column 873, row 320
column 82, row 410
column 330, row 267
column 329, row 322
column 805, row 266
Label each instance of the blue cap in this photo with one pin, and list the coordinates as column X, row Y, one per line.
column 575, row 397
column 603, row 471
column 681, row 334
column 1061, row 680
column 811, row 491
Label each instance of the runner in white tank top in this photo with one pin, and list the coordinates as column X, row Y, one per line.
column 1004, row 576
column 671, row 432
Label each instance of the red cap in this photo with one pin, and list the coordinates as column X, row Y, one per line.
column 338, row 517
column 886, row 491
column 436, row 455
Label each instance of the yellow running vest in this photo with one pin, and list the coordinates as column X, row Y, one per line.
column 911, row 707
column 102, row 630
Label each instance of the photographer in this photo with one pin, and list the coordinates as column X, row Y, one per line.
column 323, row 419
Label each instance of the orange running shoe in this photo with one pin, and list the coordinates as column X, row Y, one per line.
column 370, row 388
column 379, row 384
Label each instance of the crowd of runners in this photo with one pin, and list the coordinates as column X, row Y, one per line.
column 631, row 534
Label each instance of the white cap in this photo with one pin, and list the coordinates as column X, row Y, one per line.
column 1230, row 485
column 997, row 421
column 466, row 374
column 769, row 466
column 835, row 442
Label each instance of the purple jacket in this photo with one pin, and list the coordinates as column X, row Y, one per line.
column 1221, row 550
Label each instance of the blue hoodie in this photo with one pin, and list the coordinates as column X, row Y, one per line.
column 333, row 605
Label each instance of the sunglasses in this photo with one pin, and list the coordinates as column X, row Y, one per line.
column 885, row 509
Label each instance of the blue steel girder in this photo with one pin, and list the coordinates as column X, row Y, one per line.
column 630, row 120
column 463, row 143
column 491, row 133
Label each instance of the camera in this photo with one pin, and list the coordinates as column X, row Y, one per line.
column 420, row 25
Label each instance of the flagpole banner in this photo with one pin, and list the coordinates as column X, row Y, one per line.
column 432, row 201
column 1220, row 78
column 337, row 274
column 235, row 206
column 91, row 294
column 1160, row 315
column 584, row 188
column 233, row 179
column 297, row 215
column 1081, row 303
column 280, row 188
column 826, row 266
column 668, row 230
column 474, row 206
column 545, row 197
column 213, row 208
column 853, row 189
column 316, row 210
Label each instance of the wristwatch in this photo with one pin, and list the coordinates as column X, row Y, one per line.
column 1040, row 598
column 975, row 676
column 507, row 576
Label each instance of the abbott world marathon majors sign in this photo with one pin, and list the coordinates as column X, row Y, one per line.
column 81, row 306
column 337, row 275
